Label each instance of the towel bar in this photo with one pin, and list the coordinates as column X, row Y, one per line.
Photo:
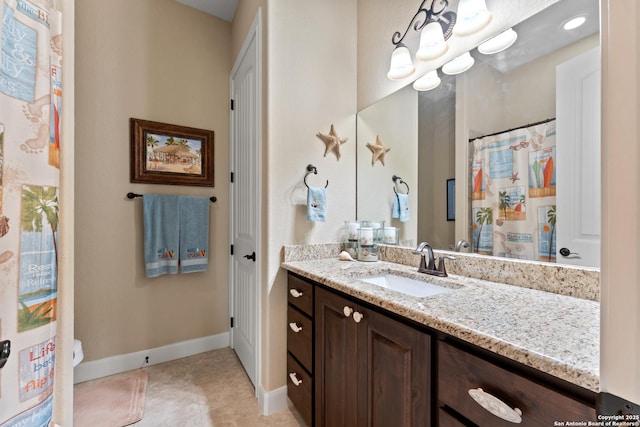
column 134, row 195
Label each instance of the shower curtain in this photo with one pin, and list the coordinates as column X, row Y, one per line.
column 513, row 193
column 30, row 100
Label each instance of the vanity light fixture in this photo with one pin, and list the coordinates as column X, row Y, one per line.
column 498, row 43
column 429, row 81
column 436, row 24
column 473, row 16
column 401, row 63
column 432, row 44
column 574, row 23
column 458, row 65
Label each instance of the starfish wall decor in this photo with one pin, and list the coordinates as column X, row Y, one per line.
column 378, row 151
column 332, row 142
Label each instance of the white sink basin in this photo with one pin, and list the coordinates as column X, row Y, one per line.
column 406, row 285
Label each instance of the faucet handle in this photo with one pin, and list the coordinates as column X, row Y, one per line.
column 441, row 267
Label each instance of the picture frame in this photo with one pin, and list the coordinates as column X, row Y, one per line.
column 451, row 200
column 162, row 153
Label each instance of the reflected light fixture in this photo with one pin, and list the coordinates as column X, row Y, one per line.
column 473, row 16
column 574, row 23
column 498, row 43
column 458, row 65
column 427, row 82
column 436, row 24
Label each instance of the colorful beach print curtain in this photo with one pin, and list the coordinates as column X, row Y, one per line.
column 30, row 112
column 513, row 201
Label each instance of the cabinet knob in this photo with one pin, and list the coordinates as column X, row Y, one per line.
column 294, row 379
column 347, row 311
column 295, row 293
column 357, row 316
column 294, row 327
column 496, row 406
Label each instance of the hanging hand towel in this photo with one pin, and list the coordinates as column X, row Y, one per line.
column 317, row 204
column 160, row 214
column 194, row 233
column 401, row 207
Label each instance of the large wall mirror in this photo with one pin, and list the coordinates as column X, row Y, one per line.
column 504, row 155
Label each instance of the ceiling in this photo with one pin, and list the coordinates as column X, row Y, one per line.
column 224, row 9
column 542, row 34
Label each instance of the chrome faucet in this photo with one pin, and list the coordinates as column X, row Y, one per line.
column 430, row 266
column 461, row 244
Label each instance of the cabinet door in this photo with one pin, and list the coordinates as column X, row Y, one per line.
column 335, row 363
column 394, row 373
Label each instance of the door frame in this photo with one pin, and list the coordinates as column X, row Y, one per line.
column 255, row 32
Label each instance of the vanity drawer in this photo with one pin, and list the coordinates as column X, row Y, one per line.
column 300, row 294
column 445, row 419
column 299, row 387
column 299, row 333
column 460, row 371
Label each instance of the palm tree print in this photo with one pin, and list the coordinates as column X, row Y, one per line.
column 483, row 216
column 551, row 219
column 505, row 202
column 40, row 204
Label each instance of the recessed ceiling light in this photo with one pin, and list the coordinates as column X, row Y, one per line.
column 574, row 23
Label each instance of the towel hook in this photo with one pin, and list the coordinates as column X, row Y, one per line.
column 314, row 170
column 397, row 178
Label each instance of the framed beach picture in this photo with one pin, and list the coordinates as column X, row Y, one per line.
column 162, row 153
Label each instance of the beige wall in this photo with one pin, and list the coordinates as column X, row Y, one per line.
column 162, row 61
column 311, row 85
column 394, row 120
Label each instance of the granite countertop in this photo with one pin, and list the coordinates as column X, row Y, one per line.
column 553, row 333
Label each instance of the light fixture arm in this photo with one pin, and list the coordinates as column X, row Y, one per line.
column 435, row 12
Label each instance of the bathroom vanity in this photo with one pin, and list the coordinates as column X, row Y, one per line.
column 363, row 355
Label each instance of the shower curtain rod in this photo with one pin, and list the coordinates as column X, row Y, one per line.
column 509, row 130
column 134, row 195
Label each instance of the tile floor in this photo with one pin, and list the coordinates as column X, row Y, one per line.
column 206, row 390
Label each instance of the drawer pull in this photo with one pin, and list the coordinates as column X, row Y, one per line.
column 357, row 316
column 294, row 379
column 496, row 406
column 295, row 293
column 294, row 327
column 347, row 311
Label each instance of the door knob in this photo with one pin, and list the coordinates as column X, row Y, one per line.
column 252, row 257
column 357, row 316
column 567, row 252
column 347, row 311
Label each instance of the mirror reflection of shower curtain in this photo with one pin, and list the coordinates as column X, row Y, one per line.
column 30, row 100
column 513, row 182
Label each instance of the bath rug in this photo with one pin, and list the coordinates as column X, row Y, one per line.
column 113, row 401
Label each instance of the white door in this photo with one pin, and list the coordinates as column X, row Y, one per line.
column 245, row 207
column 578, row 153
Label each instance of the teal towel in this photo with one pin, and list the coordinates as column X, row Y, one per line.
column 194, row 233
column 317, row 204
column 161, row 236
column 401, row 207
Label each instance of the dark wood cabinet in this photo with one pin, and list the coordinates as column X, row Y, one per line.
column 300, row 346
column 352, row 364
column 502, row 391
column 371, row 370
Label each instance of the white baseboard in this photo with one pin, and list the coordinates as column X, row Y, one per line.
column 272, row 401
column 86, row 371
